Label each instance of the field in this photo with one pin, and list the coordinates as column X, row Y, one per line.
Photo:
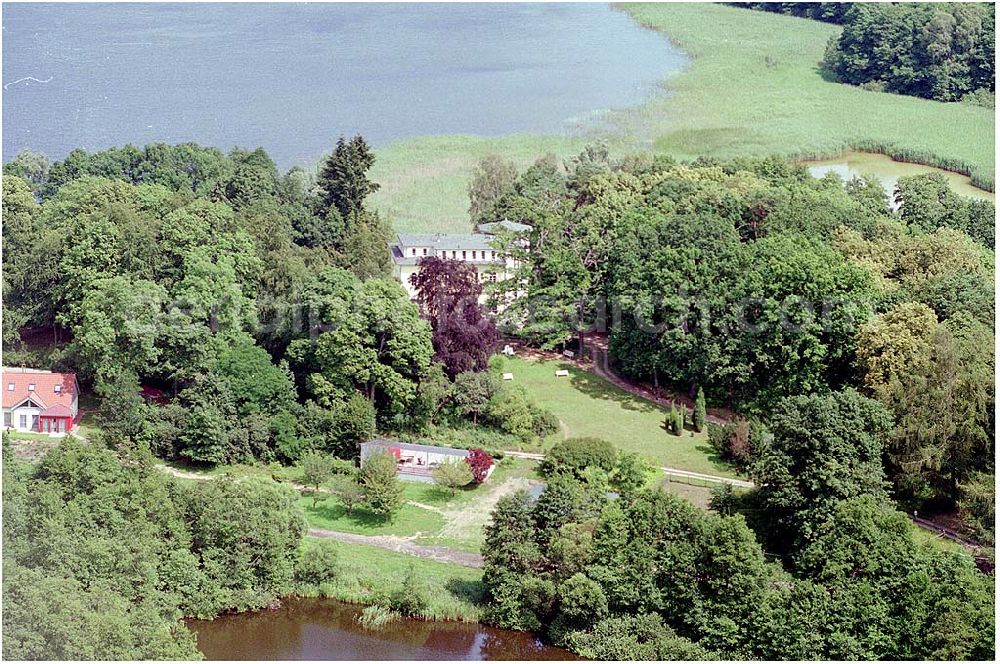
column 587, row 405
column 753, row 87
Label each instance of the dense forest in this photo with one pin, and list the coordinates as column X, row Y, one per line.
column 851, row 334
column 648, row 576
column 942, row 51
column 260, row 303
column 102, row 558
column 755, row 282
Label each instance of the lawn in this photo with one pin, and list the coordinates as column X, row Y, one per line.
column 587, row 405
column 753, row 87
column 455, row 592
column 431, row 515
column 329, row 514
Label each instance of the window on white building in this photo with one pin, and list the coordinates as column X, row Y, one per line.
column 425, row 251
column 454, row 253
column 8, row 419
column 413, row 252
column 463, row 255
column 23, row 421
column 473, row 254
column 493, row 255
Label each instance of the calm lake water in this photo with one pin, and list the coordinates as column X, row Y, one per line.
column 889, row 171
column 315, row 629
column 293, row 77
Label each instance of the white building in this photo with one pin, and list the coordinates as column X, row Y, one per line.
column 477, row 249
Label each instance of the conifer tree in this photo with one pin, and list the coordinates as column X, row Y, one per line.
column 699, row 411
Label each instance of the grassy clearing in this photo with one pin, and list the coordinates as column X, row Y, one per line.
column 587, row 405
column 364, row 572
column 331, row 515
column 923, row 535
column 431, row 515
column 753, row 87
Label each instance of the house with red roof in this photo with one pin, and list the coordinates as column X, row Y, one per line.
column 39, row 401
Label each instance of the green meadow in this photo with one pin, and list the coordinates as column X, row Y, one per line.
column 753, row 86
column 588, row 405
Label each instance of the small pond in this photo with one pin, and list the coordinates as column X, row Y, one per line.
column 320, row 629
column 888, row 171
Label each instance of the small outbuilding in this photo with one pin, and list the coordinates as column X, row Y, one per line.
column 414, row 462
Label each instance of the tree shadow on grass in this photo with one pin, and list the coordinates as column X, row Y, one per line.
column 469, row 590
column 600, row 389
column 713, row 457
column 331, row 511
column 438, row 496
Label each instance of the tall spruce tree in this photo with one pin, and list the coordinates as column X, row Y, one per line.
column 344, row 178
column 699, row 411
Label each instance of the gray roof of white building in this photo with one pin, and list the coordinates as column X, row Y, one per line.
column 436, row 243
column 446, row 242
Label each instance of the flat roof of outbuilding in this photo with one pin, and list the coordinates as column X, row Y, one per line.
column 413, row 447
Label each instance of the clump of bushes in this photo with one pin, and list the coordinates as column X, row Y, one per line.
column 644, row 638
column 676, row 419
column 317, row 563
column 512, row 411
column 575, row 455
column 483, row 399
column 480, row 463
column 738, row 441
column 409, row 600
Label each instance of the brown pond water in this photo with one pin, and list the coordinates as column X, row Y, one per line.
column 318, row 629
column 888, row 170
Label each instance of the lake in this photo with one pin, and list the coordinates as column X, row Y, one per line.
column 888, row 171
column 293, row 77
column 318, row 629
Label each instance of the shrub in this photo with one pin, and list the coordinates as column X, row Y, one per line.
column 382, row 490
column 480, row 463
column 576, row 454
column 545, row 421
column 452, row 474
column 644, row 638
column 732, row 441
column 317, row 563
column 410, row 599
column 700, row 416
